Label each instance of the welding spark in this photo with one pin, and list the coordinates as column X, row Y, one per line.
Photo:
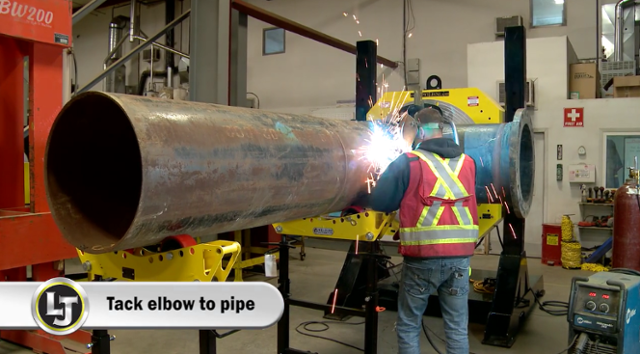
column 357, row 239
column 481, row 162
column 410, row 34
column 335, row 298
column 503, row 193
column 513, row 232
column 507, row 206
column 488, row 194
column 357, row 22
column 385, row 144
column 345, row 14
column 360, row 33
column 355, row 18
column 494, row 190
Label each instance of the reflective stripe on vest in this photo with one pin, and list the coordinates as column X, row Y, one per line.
column 448, row 187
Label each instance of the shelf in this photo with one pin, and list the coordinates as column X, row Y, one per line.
column 595, row 228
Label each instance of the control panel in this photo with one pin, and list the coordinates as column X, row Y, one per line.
column 596, row 307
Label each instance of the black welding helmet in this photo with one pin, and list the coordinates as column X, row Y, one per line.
column 410, row 109
column 410, row 125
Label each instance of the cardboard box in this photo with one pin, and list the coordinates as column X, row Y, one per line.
column 626, row 86
column 584, row 81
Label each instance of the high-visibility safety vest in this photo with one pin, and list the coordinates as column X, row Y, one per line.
column 438, row 213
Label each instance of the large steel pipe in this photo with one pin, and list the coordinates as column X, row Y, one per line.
column 504, row 157
column 127, row 171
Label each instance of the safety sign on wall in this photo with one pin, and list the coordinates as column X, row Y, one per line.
column 574, row 117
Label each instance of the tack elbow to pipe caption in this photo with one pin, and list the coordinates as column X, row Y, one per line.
column 163, row 303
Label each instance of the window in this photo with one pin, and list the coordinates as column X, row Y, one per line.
column 548, row 13
column 272, row 41
column 621, row 150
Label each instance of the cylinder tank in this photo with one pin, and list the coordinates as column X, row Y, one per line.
column 626, row 226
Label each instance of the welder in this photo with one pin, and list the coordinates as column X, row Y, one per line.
column 433, row 188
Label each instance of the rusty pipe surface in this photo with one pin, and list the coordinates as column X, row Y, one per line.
column 126, row 171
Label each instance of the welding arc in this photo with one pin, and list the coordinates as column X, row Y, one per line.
column 124, row 171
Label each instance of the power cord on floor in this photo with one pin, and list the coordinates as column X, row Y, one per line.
column 433, row 345
column 426, row 331
column 565, row 350
column 563, row 306
column 305, row 326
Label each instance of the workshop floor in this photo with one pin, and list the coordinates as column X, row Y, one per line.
column 312, row 280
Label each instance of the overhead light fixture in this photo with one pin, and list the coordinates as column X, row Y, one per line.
column 559, row 2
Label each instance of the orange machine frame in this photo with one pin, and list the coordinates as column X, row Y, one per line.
column 41, row 31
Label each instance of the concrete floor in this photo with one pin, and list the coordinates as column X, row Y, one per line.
column 313, row 279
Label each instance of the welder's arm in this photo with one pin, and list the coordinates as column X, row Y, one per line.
column 391, row 186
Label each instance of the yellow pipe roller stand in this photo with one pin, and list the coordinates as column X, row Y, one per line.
column 202, row 262
column 367, row 226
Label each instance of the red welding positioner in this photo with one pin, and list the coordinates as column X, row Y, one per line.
column 38, row 30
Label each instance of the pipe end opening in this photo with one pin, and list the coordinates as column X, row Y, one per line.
column 93, row 172
column 525, row 165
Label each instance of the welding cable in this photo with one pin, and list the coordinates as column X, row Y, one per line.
column 625, row 271
column 305, row 326
column 425, row 329
column 433, row 345
column 565, row 350
column 544, row 306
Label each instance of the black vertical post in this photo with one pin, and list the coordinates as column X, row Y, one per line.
column 101, row 342
column 515, row 80
column 510, row 305
column 283, row 279
column 371, row 309
column 366, row 77
column 515, row 70
column 100, row 338
column 207, row 342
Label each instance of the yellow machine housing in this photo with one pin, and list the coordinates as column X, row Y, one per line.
column 470, row 104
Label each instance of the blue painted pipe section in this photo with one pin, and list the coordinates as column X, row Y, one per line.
column 504, row 156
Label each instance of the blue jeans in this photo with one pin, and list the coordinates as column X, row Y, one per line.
column 422, row 277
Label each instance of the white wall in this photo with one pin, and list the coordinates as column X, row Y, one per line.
column 317, row 75
column 547, row 58
column 550, row 69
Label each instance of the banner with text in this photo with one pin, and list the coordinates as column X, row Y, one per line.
column 61, row 306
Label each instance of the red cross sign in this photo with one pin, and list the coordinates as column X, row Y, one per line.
column 574, row 117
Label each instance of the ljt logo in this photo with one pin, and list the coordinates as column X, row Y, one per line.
column 60, row 306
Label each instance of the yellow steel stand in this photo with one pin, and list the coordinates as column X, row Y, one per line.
column 202, row 262
column 489, row 215
column 371, row 225
column 245, row 261
column 367, row 226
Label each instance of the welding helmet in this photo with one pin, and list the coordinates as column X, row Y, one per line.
column 413, row 128
column 410, row 109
